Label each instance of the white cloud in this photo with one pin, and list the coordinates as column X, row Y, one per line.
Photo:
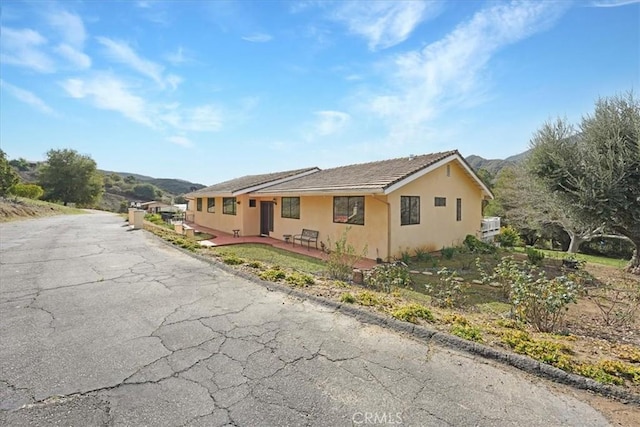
column 27, row 97
column 384, row 23
column 70, row 27
column 204, row 118
column 73, row 55
column 109, row 93
column 180, row 140
column 121, row 52
column 178, row 57
column 449, row 72
column 258, row 38
column 330, row 122
column 613, row 3
column 22, row 48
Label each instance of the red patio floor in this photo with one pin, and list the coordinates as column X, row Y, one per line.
column 224, row 239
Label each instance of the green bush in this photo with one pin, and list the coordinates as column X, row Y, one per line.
column 255, row 264
column 348, row 298
column 273, row 274
column 299, row 279
column 447, row 253
column 508, row 237
column 30, row 191
column 386, row 276
column 534, row 256
column 467, row 332
column 232, row 259
column 475, row 245
column 412, row 312
column 448, row 292
column 422, row 254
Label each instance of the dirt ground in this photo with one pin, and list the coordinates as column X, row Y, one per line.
column 18, row 208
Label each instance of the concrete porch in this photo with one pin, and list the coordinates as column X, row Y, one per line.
column 225, row 239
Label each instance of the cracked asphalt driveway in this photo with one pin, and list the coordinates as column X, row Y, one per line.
column 104, row 326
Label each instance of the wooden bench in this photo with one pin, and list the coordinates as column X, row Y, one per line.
column 308, row 236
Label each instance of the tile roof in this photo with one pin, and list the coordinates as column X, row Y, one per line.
column 250, row 181
column 365, row 176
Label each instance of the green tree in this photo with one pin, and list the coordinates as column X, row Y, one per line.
column 595, row 170
column 68, row 176
column 30, row 191
column 146, row 192
column 8, row 177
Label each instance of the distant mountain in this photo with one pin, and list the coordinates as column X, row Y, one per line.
column 170, row 185
column 494, row 165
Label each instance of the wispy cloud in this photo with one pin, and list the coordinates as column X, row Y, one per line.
column 121, row 52
column 74, row 56
column 384, row 23
column 330, row 122
column 449, row 72
column 69, row 26
column 204, row 118
column 258, row 38
column 109, row 93
column 613, row 3
column 23, row 48
column 180, row 140
column 71, row 30
column 178, row 57
column 27, row 97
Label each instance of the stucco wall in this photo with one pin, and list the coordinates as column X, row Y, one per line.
column 316, row 213
column 438, row 226
column 216, row 220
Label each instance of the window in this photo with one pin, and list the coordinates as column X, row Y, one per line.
column 229, row 205
column 348, row 209
column 252, row 203
column 409, row 210
column 290, row 207
column 211, row 205
column 199, row 204
column 458, row 209
column 448, row 170
column 440, row 201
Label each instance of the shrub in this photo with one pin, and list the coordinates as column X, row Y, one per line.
column 422, row 254
column 534, row 256
column 299, row 279
column 348, row 298
column 386, row 276
column 405, row 256
column 273, row 274
column 232, row 259
column 508, row 237
column 540, row 301
column 255, row 264
column 343, row 256
column 447, row 253
column 369, row 299
column 545, row 351
column 448, row 292
column 153, row 218
column 30, row 191
column 618, row 302
column 475, row 245
column 504, row 274
column 412, row 312
column 467, row 332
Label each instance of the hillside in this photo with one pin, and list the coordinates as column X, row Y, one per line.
column 122, row 187
column 494, row 165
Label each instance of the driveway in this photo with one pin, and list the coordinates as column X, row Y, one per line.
column 105, row 326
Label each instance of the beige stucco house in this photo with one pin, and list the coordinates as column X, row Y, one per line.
column 427, row 201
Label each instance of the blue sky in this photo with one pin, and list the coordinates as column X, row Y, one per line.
column 211, row 90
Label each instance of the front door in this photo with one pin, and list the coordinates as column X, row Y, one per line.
column 266, row 218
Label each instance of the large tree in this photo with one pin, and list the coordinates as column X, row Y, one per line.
column 594, row 169
column 68, row 177
column 8, row 177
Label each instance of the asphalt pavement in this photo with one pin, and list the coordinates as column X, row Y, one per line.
column 103, row 326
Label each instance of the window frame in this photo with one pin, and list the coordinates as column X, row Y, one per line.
column 409, row 218
column 227, row 203
column 351, row 201
column 199, row 204
column 211, row 207
column 287, row 207
column 440, row 202
column 252, row 203
column 458, row 209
